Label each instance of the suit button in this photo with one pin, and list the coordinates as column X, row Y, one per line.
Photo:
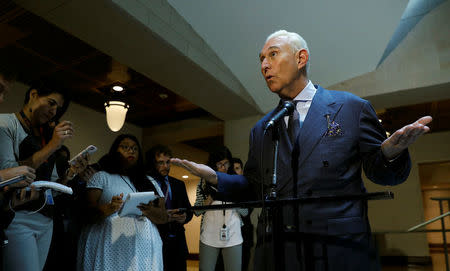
column 325, row 163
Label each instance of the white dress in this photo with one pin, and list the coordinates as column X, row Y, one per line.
column 119, row 243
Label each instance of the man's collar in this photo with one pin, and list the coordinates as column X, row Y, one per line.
column 161, row 178
column 307, row 94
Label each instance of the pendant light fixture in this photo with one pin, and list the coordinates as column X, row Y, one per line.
column 116, row 109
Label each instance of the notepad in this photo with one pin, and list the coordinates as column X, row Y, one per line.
column 129, row 207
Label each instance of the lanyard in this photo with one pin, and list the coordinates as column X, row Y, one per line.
column 224, row 225
column 155, row 185
column 27, row 121
column 129, row 185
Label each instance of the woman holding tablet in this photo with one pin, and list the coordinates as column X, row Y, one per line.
column 111, row 242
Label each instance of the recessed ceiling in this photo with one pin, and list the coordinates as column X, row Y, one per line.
column 37, row 50
column 397, row 117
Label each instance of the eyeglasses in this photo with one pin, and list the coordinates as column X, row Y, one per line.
column 224, row 164
column 162, row 163
column 129, row 148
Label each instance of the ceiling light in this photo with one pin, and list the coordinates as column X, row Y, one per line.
column 117, row 88
column 116, row 111
column 163, row 96
column 380, row 120
column 185, row 176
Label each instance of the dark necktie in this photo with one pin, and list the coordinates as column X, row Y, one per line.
column 163, row 185
column 294, row 124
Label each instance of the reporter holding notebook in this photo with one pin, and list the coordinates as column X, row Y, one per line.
column 111, row 242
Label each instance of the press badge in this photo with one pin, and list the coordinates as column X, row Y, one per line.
column 49, row 197
column 224, row 233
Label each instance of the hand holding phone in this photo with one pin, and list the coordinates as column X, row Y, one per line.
column 177, row 215
column 13, row 181
column 88, row 151
column 9, row 173
column 80, row 162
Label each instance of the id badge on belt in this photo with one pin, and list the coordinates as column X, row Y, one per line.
column 49, row 196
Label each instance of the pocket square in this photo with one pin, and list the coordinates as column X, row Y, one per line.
column 334, row 128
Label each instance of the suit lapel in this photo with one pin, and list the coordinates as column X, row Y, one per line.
column 315, row 124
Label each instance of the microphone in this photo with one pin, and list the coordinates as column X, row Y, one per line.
column 287, row 109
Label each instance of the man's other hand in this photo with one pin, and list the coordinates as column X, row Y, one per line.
column 404, row 137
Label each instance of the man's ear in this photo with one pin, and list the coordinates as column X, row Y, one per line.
column 302, row 58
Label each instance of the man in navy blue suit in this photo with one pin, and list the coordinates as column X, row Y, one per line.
column 324, row 145
column 175, row 250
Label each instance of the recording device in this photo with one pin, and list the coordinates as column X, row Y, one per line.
column 287, row 109
column 89, row 150
column 13, row 180
column 51, row 185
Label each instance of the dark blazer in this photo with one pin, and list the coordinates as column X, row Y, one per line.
column 340, row 135
column 175, row 248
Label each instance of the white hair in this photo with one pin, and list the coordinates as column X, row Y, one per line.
column 295, row 41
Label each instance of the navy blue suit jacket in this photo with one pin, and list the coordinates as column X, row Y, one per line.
column 340, row 136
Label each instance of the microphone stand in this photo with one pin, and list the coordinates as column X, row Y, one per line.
column 274, row 213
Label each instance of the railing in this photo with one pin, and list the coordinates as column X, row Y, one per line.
column 443, row 230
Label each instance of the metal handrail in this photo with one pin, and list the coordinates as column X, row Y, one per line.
column 428, row 222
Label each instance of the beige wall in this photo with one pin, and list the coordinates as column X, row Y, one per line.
column 90, row 126
column 406, row 210
column 237, row 134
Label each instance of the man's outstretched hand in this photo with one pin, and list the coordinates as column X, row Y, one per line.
column 404, row 137
column 200, row 170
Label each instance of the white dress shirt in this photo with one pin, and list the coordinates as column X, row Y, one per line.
column 305, row 98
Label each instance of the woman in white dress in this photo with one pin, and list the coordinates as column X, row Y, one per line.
column 121, row 243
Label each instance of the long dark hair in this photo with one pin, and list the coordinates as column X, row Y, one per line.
column 219, row 154
column 45, row 88
column 113, row 163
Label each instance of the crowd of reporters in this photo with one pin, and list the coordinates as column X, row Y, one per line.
column 46, row 230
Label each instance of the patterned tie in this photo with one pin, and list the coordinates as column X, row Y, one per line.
column 294, row 124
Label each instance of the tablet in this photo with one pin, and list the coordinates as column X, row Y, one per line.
column 129, row 207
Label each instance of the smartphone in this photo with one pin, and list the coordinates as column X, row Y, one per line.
column 12, row 181
column 181, row 211
column 89, row 150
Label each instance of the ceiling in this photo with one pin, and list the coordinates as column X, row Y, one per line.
column 395, row 118
column 36, row 49
column 336, row 33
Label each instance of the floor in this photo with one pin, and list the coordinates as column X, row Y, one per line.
column 437, row 259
